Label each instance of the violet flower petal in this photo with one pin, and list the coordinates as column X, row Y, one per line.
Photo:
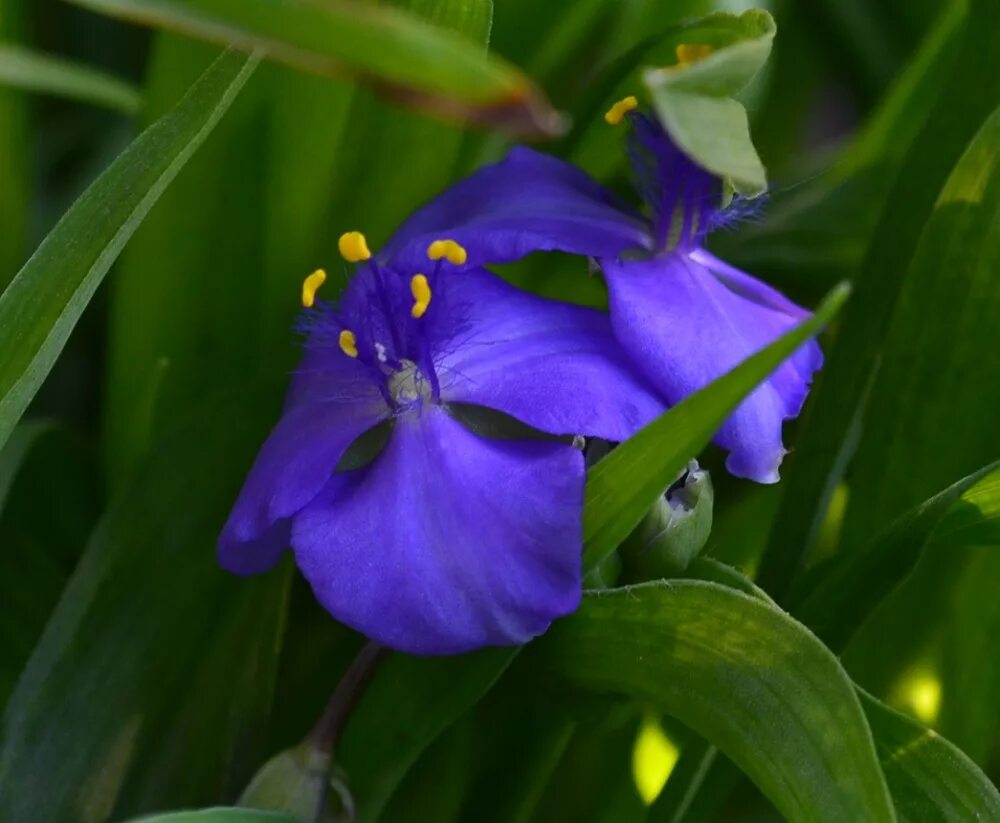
column 292, row 467
column 448, row 541
column 527, row 202
column 552, row 365
column 684, row 327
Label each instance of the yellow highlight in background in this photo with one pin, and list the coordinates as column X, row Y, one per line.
column 920, row 693
column 653, row 758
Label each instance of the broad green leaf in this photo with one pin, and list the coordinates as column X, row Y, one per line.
column 41, row 306
column 152, row 681
column 931, row 781
column 743, row 674
column 402, row 56
column 218, row 815
column 15, row 159
column 928, row 777
column 850, row 586
column 45, row 74
column 624, row 485
column 968, row 95
column 696, row 101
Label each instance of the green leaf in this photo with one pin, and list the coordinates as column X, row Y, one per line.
column 695, row 100
column 32, row 71
column 931, row 781
column 197, row 255
column 623, row 486
column 853, row 584
column 426, row 695
column 152, row 681
column 218, row 815
column 935, row 388
column 817, row 233
column 50, row 494
column 741, row 673
column 975, row 519
column 402, row 56
column 14, row 159
column 928, row 777
column 828, row 430
column 42, row 305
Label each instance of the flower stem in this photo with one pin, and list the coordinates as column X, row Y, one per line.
column 325, row 735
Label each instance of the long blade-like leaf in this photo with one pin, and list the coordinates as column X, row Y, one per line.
column 32, row 71
column 853, row 584
column 410, row 60
column 43, row 303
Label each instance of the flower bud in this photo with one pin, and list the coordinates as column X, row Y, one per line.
column 674, row 531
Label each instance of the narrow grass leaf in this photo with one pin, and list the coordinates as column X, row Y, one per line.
column 405, row 58
column 41, row 306
column 33, row 71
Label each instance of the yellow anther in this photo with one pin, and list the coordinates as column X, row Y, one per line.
column 421, row 291
column 310, row 286
column 617, row 112
column 692, row 52
column 448, row 249
column 348, row 343
column 353, row 247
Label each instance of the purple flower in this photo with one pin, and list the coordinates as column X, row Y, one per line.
column 446, row 541
column 684, row 316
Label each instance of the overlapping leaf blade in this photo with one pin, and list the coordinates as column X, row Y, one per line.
column 41, row 306
column 851, row 586
column 42, row 73
column 412, row 61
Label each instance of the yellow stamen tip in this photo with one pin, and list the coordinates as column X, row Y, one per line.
column 449, row 250
column 617, row 112
column 421, row 291
column 692, row 52
column 310, row 286
column 353, row 247
column 348, row 343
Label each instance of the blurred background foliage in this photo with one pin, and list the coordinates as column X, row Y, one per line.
column 139, row 677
